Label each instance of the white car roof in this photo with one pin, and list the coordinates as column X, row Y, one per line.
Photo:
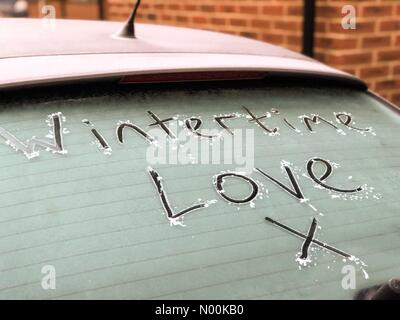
column 39, row 51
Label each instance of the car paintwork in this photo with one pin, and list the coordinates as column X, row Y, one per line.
column 35, row 51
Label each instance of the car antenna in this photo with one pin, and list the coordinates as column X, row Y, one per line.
column 128, row 31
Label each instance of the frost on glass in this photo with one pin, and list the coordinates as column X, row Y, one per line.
column 52, row 143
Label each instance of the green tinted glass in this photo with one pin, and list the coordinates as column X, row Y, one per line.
column 96, row 215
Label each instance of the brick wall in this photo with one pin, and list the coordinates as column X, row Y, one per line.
column 371, row 51
column 275, row 21
column 71, row 9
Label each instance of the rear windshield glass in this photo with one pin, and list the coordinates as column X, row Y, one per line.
column 207, row 193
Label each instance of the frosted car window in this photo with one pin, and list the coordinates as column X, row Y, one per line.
column 114, row 221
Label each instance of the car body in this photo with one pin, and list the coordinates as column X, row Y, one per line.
column 112, row 224
column 101, row 53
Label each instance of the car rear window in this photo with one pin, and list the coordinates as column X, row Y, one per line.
column 100, row 189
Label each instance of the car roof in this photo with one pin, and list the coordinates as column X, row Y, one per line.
column 32, row 37
column 40, row 51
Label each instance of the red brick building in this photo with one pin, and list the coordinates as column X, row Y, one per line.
column 371, row 51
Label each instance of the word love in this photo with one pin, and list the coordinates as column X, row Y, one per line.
column 54, row 139
column 293, row 188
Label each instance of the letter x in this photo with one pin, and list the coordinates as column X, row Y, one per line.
column 309, row 238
